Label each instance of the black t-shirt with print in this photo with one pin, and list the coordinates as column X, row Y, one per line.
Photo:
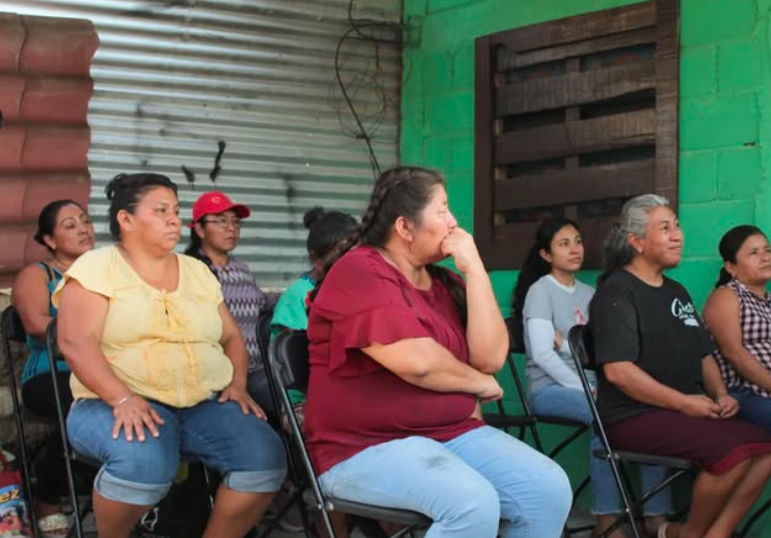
column 657, row 328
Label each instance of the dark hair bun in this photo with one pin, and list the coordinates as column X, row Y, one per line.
column 124, row 191
column 38, row 237
column 115, row 184
column 312, row 216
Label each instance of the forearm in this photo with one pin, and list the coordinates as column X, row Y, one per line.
column 713, row 381
column 560, row 372
column 235, row 350
column 35, row 326
column 447, row 376
column 488, row 339
column 637, row 384
column 89, row 365
column 540, row 337
column 424, row 363
column 749, row 367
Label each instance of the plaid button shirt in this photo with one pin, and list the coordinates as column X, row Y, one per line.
column 755, row 320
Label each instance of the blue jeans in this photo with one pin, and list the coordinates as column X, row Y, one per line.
column 466, row 485
column 243, row 448
column 560, row 401
column 756, row 409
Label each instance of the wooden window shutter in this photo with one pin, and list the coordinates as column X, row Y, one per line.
column 573, row 118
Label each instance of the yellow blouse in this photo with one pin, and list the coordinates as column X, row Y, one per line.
column 163, row 345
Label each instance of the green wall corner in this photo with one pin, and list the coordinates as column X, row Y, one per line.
column 725, row 118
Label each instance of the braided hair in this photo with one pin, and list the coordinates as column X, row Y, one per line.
column 398, row 192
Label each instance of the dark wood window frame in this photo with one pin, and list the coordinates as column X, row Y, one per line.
column 599, row 130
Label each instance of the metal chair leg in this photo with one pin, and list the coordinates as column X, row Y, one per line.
column 67, row 453
column 207, row 481
column 22, row 438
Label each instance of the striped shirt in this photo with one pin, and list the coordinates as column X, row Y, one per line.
column 755, row 321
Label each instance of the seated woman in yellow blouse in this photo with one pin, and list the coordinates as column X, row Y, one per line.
column 159, row 370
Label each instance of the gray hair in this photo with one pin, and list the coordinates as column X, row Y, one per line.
column 633, row 220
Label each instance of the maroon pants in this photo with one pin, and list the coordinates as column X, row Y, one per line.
column 714, row 445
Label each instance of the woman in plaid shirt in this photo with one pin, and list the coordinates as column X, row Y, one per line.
column 738, row 314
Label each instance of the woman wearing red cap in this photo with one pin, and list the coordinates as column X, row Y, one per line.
column 214, row 234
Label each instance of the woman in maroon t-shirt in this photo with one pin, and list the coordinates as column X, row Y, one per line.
column 402, row 352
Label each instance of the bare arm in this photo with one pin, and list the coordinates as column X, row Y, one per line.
column 80, row 324
column 233, row 344
column 424, row 363
column 31, row 298
column 488, row 339
column 486, row 333
column 721, row 314
column 637, row 384
column 713, row 382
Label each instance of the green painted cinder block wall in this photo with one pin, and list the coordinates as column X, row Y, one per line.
column 725, row 115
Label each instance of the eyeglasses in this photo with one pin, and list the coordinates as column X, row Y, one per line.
column 223, row 222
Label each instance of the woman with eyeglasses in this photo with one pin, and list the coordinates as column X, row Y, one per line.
column 214, row 234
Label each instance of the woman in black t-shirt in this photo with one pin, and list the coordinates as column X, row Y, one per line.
column 656, row 366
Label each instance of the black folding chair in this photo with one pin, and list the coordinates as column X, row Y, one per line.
column 528, row 420
column 287, row 368
column 69, row 454
column 263, row 330
column 13, row 331
column 582, row 349
column 263, row 337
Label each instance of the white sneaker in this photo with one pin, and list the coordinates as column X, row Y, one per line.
column 54, row 526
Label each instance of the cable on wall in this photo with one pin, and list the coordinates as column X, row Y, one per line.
column 371, row 33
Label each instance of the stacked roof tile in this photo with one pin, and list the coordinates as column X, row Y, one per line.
column 45, row 88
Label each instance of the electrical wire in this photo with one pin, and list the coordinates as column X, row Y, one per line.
column 350, row 90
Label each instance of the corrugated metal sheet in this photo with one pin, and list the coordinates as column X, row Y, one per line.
column 174, row 77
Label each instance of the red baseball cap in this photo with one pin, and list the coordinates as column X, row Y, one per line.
column 215, row 202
